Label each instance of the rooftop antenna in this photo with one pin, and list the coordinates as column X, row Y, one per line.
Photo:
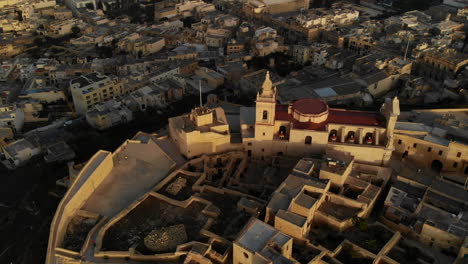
column 199, row 87
column 407, row 47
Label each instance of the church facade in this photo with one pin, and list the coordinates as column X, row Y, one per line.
column 310, row 127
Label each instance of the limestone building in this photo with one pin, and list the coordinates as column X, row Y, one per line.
column 441, row 64
column 310, row 126
column 255, row 7
column 94, row 88
column 261, row 243
column 109, row 114
column 202, row 131
column 435, row 139
column 305, row 199
column 304, row 128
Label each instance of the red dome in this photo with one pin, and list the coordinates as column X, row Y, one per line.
column 310, row 106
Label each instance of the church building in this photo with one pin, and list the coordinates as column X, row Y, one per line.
column 304, row 128
column 310, row 127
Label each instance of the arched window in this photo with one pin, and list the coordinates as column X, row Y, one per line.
column 351, row 138
column 308, row 140
column 333, row 137
column 282, row 132
column 369, row 138
column 437, row 165
column 265, row 115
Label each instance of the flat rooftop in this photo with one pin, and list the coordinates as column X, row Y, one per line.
column 450, row 189
column 257, row 234
column 134, row 173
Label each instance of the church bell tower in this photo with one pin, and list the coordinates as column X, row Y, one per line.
column 265, row 110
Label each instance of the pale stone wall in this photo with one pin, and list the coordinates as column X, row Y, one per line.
column 199, row 143
column 439, row 238
column 203, row 119
column 422, row 153
column 374, row 155
column 383, row 86
column 308, row 213
column 267, row 141
column 335, row 178
column 47, row 97
column 205, row 137
column 91, row 175
column 290, row 228
column 241, row 255
column 403, row 229
column 98, row 94
column 96, row 176
column 287, row 7
column 321, row 218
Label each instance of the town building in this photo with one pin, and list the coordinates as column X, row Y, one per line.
column 12, row 117
column 93, row 88
column 6, row 135
column 202, row 131
column 434, row 139
column 108, row 114
column 253, row 8
column 441, row 64
column 141, row 45
column 17, row 153
column 309, row 126
column 60, row 28
column 429, row 209
column 266, row 41
column 260, row 242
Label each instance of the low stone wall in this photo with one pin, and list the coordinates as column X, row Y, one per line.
column 89, row 242
column 76, row 195
column 390, row 244
column 359, row 249
column 404, row 230
column 67, row 253
column 156, row 257
column 114, row 220
column 329, row 220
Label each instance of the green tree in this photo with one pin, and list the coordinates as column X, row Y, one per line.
column 75, row 30
column 360, row 223
column 372, row 245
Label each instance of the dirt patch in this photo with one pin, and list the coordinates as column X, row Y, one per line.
column 77, row 231
column 153, row 214
column 231, row 220
column 372, row 239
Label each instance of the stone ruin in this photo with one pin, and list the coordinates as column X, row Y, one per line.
column 166, row 238
column 175, row 187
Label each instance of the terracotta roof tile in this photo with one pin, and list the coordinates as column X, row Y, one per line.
column 335, row 116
